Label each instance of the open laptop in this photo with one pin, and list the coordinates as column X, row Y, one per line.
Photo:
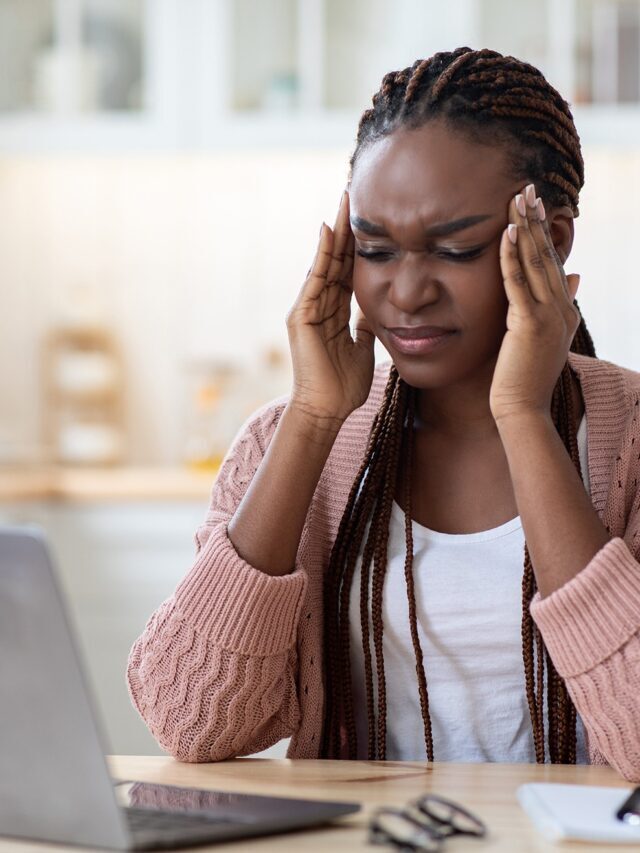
column 54, row 782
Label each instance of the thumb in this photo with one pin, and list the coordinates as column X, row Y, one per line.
column 573, row 282
column 363, row 334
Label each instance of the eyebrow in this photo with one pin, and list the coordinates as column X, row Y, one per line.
column 442, row 229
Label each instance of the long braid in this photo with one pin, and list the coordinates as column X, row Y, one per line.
column 408, row 574
column 381, row 534
column 379, row 432
column 500, row 100
column 378, row 480
column 360, row 505
column 528, row 590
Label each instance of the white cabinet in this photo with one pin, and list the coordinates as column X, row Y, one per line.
column 84, row 75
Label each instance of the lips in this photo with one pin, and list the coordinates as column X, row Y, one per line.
column 419, row 340
column 418, row 332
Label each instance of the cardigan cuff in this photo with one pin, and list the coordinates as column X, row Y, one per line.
column 239, row 607
column 594, row 614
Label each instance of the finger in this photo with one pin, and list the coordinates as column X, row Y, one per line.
column 336, row 309
column 530, row 260
column 547, row 251
column 337, row 323
column 335, row 294
column 347, row 269
column 316, row 280
column 515, row 281
column 344, row 274
column 342, row 230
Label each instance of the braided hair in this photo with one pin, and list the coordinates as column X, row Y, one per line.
column 494, row 99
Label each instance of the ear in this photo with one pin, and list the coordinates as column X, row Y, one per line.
column 560, row 221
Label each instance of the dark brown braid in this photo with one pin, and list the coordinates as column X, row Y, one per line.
column 408, row 574
column 495, row 100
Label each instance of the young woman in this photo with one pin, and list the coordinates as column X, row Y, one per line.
column 359, row 582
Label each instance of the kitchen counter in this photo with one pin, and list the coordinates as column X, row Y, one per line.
column 65, row 484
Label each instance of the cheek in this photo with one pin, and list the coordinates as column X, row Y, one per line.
column 361, row 275
column 492, row 287
column 483, row 303
column 491, row 309
column 364, row 284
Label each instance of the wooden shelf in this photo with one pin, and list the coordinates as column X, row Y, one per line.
column 104, row 485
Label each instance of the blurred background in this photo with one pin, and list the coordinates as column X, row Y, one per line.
column 165, row 166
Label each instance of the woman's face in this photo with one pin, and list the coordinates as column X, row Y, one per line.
column 411, row 272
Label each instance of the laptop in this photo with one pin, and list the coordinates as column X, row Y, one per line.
column 54, row 782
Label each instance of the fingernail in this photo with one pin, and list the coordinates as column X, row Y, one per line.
column 321, row 229
column 541, row 210
column 512, row 232
column 530, row 195
column 520, row 205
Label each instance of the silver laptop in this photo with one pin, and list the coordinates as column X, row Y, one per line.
column 54, row 783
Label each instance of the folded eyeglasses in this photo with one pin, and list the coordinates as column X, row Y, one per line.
column 423, row 825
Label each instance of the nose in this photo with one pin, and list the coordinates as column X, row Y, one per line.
column 413, row 285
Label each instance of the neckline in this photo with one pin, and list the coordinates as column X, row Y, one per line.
column 426, row 533
column 505, row 529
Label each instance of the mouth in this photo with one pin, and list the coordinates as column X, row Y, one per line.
column 419, row 340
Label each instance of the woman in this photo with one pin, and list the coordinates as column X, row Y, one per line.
column 398, row 504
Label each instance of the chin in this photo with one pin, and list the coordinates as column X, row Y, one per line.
column 422, row 371
column 425, row 375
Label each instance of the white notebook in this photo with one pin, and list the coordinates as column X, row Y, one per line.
column 577, row 812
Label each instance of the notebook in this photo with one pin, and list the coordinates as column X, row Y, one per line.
column 54, row 783
column 577, row 812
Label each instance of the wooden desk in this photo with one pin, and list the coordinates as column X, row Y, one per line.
column 487, row 789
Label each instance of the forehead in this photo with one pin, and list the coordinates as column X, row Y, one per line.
column 432, row 171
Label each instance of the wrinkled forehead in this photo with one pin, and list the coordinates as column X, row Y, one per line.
column 430, row 171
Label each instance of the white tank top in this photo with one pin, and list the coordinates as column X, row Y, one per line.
column 469, row 610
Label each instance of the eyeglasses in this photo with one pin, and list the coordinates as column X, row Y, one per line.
column 423, row 825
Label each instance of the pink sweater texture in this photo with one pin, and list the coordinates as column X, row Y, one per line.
column 231, row 663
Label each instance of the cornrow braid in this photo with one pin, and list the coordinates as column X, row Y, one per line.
column 414, row 80
column 446, row 77
column 500, row 100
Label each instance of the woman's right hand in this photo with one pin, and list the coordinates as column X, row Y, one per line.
column 332, row 371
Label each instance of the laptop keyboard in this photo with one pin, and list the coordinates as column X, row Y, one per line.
column 156, row 829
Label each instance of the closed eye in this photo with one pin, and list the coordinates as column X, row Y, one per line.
column 376, row 257
column 456, row 257
column 461, row 256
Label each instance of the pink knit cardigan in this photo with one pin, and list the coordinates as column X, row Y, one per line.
column 232, row 662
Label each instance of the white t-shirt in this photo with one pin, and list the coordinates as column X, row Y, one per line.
column 468, row 591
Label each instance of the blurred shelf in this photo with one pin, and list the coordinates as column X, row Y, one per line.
column 37, row 135
column 104, row 485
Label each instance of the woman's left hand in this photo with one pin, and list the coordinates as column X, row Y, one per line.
column 541, row 319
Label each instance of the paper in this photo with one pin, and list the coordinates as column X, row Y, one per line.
column 577, row 812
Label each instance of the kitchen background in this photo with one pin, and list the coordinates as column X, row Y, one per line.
column 164, row 169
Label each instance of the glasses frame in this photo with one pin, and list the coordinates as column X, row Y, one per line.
column 437, row 831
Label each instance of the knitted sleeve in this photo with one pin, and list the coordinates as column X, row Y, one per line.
column 591, row 627
column 213, row 674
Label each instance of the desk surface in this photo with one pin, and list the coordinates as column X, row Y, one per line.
column 487, row 789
